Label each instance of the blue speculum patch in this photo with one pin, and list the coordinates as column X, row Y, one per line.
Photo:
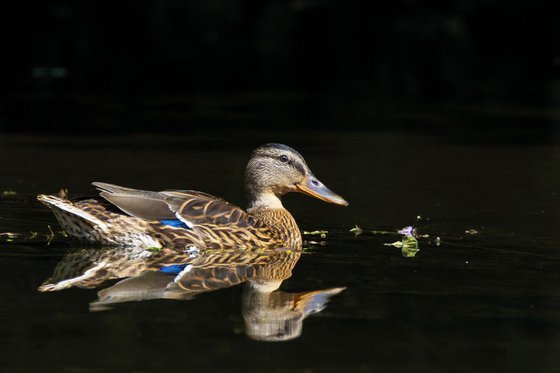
column 174, row 223
column 173, row 269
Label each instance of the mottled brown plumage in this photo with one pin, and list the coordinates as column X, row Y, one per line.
column 181, row 219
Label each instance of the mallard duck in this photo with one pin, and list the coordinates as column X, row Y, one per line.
column 186, row 219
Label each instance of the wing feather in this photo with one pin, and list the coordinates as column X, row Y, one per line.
column 140, row 206
column 187, row 205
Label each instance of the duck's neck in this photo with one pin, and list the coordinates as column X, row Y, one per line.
column 283, row 227
column 264, row 200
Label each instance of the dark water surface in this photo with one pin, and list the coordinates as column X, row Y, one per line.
column 480, row 295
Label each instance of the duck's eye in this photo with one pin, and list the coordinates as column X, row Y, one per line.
column 284, row 158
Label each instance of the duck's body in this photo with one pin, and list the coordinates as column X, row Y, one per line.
column 182, row 219
column 97, row 221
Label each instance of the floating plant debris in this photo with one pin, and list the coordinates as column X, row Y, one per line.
column 321, row 233
column 356, row 230
column 397, row 244
column 408, row 231
column 31, row 236
column 409, row 246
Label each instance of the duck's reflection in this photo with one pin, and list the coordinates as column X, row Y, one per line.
column 270, row 314
column 274, row 315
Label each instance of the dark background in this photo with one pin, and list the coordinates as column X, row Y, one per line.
column 169, row 65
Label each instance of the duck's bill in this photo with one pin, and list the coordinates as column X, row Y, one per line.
column 311, row 186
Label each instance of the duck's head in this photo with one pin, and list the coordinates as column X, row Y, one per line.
column 276, row 169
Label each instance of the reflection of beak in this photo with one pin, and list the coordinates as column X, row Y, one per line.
column 314, row 188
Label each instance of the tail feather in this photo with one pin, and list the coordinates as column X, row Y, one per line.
column 91, row 221
column 65, row 207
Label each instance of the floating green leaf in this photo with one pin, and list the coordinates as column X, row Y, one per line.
column 409, row 246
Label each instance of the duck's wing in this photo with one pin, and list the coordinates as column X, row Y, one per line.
column 142, row 204
column 189, row 206
column 203, row 208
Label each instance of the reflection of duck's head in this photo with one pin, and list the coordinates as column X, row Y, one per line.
column 273, row 315
column 276, row 169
